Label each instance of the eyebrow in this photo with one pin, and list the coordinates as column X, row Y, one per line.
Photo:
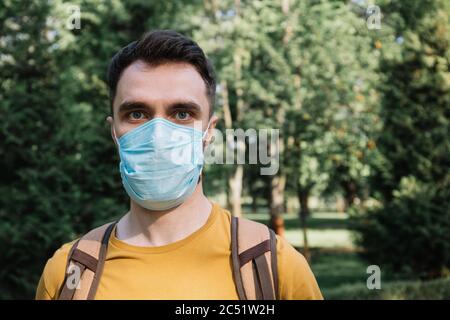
column 131, row 105
column 177, row 105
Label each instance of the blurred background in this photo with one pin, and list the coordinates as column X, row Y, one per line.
column 360, row 91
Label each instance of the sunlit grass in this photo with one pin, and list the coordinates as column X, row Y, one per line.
column 326, row 229
column 325, row 238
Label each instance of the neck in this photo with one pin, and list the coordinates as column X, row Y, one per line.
column 143, row 227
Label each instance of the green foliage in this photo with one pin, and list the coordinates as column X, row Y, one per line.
column 410, row 235
column 416, row 104
column 410, row 232
column 59, row 176
column 36, row 188
column 397, row 290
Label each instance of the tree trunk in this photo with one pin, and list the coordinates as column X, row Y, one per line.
column 234, row 190
column 254, row 200
column 226, row 105
column 349, row 187
column 228, row 190
column 228, row 124
column 340, row 204
column 303, row 198
column 235, row 183
column 277, row 184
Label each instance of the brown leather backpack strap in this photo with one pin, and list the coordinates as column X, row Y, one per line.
column 88, row 254
column 254, row 260
column 67, row 290
column 274, row 262
column 235, row 259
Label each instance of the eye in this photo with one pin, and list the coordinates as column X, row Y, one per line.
column 182, row 115
column 136, row 115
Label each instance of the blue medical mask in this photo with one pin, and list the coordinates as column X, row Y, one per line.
column 160, row 163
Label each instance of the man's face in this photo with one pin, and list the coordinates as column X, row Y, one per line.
column 173, row 91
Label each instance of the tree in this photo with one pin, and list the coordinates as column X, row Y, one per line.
column 61, row 174
column 411, row 177
column 37, row 159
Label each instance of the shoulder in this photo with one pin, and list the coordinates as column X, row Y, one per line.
column 296, row 279
column 220, row 211
column 54, row 271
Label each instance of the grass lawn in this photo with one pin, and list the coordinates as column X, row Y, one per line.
column 325, row 229
column 334, row 260
column 340, row 272
column 333, row 270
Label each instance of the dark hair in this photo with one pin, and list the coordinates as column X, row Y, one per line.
column 158, row 47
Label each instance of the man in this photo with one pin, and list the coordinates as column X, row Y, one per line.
column 173, row 243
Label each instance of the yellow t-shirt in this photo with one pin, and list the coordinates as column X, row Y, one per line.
column 196, row 267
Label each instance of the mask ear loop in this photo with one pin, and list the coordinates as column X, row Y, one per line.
column 206, row 131
column 116, row 139
column 203, row 137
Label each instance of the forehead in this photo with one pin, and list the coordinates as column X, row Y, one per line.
column 161, row 84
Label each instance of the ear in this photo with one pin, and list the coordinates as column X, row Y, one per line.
column 212, row 125
column 110, row 120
